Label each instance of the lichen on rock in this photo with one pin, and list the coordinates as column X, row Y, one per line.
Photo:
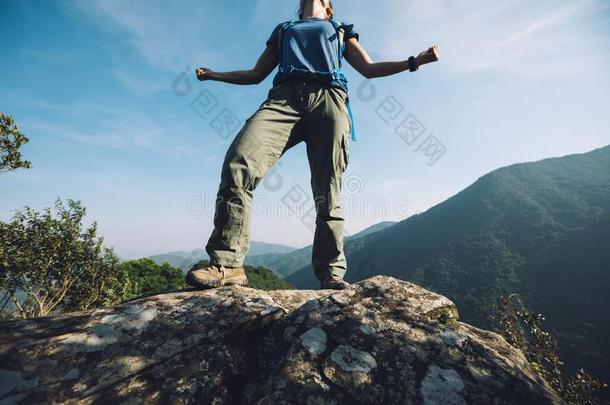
column 314, row 340
column 380, row 341
column 442, row 387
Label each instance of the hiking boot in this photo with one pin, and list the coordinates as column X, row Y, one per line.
column 333, row 282
column 211, row 276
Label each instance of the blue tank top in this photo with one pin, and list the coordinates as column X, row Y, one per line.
column 311, row 44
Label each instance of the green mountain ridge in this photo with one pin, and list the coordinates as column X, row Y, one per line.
column 184, row 260
column 287, row 263
column 541, row 229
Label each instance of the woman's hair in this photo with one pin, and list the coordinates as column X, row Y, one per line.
column 330, row 3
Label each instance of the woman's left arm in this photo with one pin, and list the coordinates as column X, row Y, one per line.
column 362, row 62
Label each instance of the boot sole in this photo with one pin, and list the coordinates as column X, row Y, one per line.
column 237, row 280
column 334, row 286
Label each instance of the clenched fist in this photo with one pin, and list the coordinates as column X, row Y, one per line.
column 431, row 55
column 203, row 73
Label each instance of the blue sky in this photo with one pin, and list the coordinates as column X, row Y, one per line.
column 96, row 85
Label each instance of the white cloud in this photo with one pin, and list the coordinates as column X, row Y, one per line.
column 167, row 35
column 72, row 109
column 119, row 133
column 138, row 85
column 114, row 127
column 534, row 39
column 555, row 18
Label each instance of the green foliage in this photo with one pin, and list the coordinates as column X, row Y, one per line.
column 11, row 140
column 259, row 277
column 524, row 329
column 50, row 264
column 149, row 277
column 582, row 389
column 262, row 278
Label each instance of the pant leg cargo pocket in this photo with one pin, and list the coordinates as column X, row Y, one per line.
column 345, row 149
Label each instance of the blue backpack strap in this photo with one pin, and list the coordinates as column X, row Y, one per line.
column 280, row 38
column 351, row 119
column 340, row 29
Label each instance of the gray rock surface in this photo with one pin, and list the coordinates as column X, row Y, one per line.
column 380, row 341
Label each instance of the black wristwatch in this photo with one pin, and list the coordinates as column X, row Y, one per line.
column 412, row 64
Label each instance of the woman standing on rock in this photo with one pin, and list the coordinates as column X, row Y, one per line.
column 308, row 102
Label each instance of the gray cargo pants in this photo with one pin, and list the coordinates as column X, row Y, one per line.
column 294, row 111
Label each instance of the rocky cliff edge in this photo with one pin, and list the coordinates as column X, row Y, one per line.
column 380, row 341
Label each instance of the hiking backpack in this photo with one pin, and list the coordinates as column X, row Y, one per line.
column 336, row 74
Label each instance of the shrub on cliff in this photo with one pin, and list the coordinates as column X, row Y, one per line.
column 50, row 263
column 149, row 277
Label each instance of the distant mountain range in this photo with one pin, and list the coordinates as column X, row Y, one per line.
column 282, row 259
column 286, row 264
column 185, row 260
column 540, row 229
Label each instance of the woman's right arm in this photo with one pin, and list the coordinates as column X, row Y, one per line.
column 264, row 66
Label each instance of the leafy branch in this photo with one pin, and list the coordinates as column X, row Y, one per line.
column 11, row 140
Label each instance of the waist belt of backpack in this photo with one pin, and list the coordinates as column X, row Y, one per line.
column 326, row 77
